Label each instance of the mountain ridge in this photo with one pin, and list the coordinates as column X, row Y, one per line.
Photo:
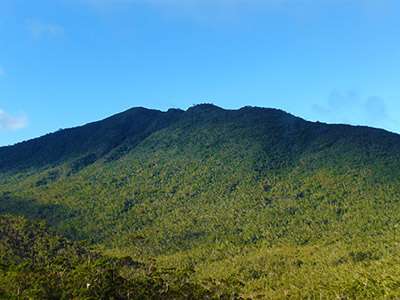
column 128, row 128
column 256, row 201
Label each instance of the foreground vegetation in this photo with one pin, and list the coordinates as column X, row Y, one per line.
column 252, row 204
column 35, row 264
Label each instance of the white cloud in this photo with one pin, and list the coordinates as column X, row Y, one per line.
column 206, row 8
column 8, row 122
column 183, row 2
column 197, row 10
column 193, row 4
column 191, row 7
column 39, row 29
column 230, row 3
column 217, row 12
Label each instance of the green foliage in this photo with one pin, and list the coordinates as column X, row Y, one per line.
column 35, row 264
column 253, row 203
column 99, row 138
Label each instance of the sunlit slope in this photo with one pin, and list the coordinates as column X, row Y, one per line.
column 90, row 142
column 211, row 176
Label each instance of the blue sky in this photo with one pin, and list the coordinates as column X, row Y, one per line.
column 68, row 62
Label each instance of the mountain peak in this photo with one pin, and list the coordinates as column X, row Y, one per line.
column 122, row 132
column 204, row 107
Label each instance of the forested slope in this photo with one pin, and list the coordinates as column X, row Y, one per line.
column 36, row 264
column 262, row 202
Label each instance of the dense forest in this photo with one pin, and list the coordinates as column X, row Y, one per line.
column 36, row 264
column 206, row 203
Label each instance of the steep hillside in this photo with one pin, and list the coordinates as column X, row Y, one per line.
column 263, row 202
column 34, row 264
column 92, row 141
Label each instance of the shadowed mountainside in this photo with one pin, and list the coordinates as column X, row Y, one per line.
column 94, row 140
column 257, row 200
column 117, row 135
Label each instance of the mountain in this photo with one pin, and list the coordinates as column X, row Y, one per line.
column 260, row 202
column 97, row 139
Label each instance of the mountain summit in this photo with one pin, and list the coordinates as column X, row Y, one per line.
column 124, row 131
column 254, row 194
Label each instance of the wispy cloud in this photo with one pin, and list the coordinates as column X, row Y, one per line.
column 205, row 11
column 180, row 3
column 193, row 6
column 223, row 4
column 2, row 71
column 9, row 122
column 349, row 107
column 39, row 29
